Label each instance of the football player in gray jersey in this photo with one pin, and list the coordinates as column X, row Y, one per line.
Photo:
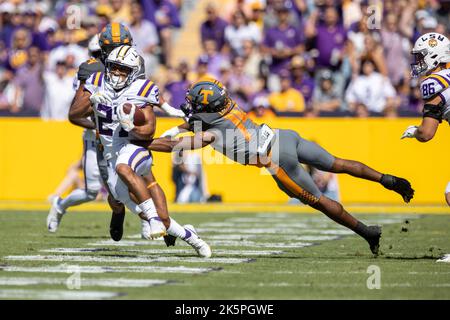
column 216, row 120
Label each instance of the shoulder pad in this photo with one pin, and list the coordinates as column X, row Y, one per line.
column 434, row 84
column 89, row 67
column 95, row 79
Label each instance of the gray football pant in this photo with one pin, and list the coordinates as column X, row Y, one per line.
column 288, row 151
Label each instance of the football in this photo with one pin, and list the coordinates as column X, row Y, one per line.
column 139, row 117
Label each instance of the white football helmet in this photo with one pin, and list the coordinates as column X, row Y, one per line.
column 428, row 52
column 127, row 60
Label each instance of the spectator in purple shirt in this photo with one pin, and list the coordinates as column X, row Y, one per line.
column 213, row 28
column 329, row 37
column 282, row 42
column 17, row 54
column 29, row 84
column 30, row 21
column 215, row 58
column 301, row 79
column 176, row 90
column 164, row 15
column 12, row 20
column 241, row 85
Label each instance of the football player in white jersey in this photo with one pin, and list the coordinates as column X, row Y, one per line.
column 112, row 36
column 127, row 160
column 431, row 54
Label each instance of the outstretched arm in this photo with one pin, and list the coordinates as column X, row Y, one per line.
column 169, row 110
column 427, row 129
column 197, row 141
column 174, row 131
column 432, row 116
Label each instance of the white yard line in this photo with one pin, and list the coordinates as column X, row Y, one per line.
column 105, row 282
column 118, row 259
column 264, row 231
column 445, row 258
column 265, row 236
column 167, row 251
column 104, row 269
column 228, row 243
column 56, row 294
column 128, row 243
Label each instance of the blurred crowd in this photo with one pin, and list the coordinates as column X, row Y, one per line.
column 276, row 57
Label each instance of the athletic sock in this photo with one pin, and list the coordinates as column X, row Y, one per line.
column 149, row 209
column 75, row 198
column 364, row 231
column 176, row 230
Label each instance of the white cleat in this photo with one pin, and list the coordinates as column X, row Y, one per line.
column 157, row 228
column 54, row 217
column 199, row 245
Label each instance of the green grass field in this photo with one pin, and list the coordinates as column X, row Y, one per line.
column 255, row 256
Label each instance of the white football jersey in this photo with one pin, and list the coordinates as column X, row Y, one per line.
column 140, row 93
column 438, row 83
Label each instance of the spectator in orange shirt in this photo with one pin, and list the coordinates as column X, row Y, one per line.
column 288, row 99
column 121, row 11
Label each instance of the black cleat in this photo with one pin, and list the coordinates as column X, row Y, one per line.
column 374, row 239
column 116, row 225
column 170, row 240
column 399, row 185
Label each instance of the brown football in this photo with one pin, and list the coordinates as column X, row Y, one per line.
column 139, row 117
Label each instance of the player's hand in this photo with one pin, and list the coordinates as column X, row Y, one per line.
column 187, row 110
column 126, row 119
column 100, row 98
column 172, row 132
column 409, row 132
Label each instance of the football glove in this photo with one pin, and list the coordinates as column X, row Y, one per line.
column 409, row 132
column 126, row 120
column 172, row 132
column 100, row 98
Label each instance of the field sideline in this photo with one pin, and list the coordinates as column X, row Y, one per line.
column 259, row 255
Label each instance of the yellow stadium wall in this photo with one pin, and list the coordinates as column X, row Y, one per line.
column 34, row 157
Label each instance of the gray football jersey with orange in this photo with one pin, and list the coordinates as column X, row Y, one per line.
column 236, row 136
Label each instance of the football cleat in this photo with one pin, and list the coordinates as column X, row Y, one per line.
column 399, row 185
column 170, row 240
column 116, row 225
column 199, row 245
column 374, row 239
column 54, row 216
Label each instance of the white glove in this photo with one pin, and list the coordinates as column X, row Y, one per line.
column 171, row 111
column 126, row 120
column 100, row 98
column 172, row 132
column 409, row 133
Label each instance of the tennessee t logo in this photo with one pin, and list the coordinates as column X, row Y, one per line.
column 206, row 94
